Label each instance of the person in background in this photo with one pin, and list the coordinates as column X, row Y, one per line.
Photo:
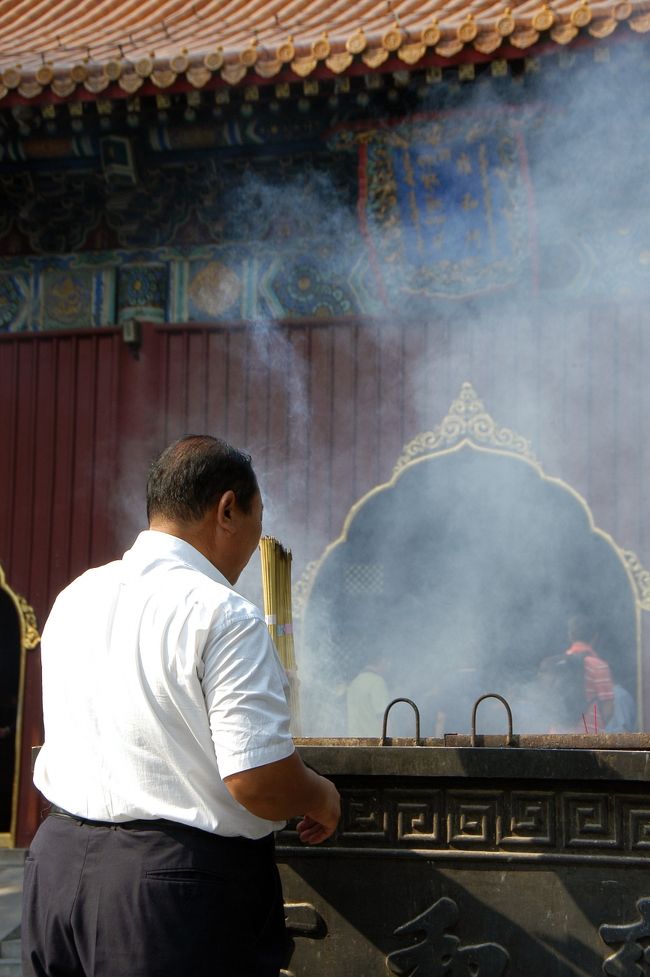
column 623, row 718
column 367, row 698
column 167, row 756
column 596, row 675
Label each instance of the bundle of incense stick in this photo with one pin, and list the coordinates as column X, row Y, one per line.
column 276, row 588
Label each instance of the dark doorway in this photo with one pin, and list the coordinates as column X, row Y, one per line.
column 10, row 653
column 463, row 575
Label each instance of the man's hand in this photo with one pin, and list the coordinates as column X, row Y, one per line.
column 287, row 789
column 321, row 824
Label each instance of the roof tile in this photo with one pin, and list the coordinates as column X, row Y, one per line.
column 70, row 47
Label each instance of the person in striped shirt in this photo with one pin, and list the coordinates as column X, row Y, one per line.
column 598, row 683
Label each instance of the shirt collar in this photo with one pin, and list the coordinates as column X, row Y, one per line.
column 158, row 545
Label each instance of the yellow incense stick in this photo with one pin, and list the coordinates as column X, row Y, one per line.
column 276, row 589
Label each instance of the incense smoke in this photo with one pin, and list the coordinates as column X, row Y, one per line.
column 468, row 586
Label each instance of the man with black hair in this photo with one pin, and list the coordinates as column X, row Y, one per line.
column 167, row 756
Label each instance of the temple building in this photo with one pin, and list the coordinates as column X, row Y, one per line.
column 398, row 251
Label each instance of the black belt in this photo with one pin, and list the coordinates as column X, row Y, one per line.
column 162, row 824
column 142, row 824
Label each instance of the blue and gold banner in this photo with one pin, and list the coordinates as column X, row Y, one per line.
column 445, row 204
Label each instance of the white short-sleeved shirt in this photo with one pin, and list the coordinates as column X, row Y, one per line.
column 159, row 680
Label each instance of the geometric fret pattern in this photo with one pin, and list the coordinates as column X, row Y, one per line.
column 544, row 821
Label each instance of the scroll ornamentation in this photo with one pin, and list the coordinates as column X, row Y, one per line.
column 300, row 590
column 467, row 420
column 31, row 637
column 641, row 577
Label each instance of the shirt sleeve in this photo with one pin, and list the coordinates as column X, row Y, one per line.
column 245, row 689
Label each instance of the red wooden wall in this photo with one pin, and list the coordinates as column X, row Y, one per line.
column 324, row 407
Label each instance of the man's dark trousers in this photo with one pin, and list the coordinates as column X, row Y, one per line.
column 142, row 901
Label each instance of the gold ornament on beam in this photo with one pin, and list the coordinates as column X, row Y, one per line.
column 544, row 19
column 392, row 39
column 45, row 74
column 286, row 52
column 250, row 55
column 322, row 48
column 79, row 73
column 144, row 67
column 113, row 70
column 214, row 60
column 179, row 63
column 582, row 16
column 640, row 24
column 198, row 75
column 30, row 88
column 411, row 53
column 431, row 35
column 339, row 62
column 163, row 77
column 357, row 43
column 467, row 30
column 601, row 28
column 506, row 23
column 12, row 77
column 488, row 42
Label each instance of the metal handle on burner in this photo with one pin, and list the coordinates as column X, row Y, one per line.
column 493, row 695
column 417, row 720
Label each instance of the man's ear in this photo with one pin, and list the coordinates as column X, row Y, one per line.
column 225, row 511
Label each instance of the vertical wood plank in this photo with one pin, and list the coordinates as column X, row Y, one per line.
column 106, row 463
column 65, row 408
column 344, row 409
column 196, row 380
column 577, row 404
column 551, row 397
column 237, row 388
column 391, row 400
column 274, row 473
column 84, row 455
column 176, row 386
column 631, row 478
column 603, row 454
column 415, row 407
column 299, row 437
column 45, row 461
column 366, row 433
column 259, row 396
column 319, row 475
column 21, row 555
column 217, row 381
column 9, row 407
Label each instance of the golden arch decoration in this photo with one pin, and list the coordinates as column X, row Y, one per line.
column 29, row 639
column 468, row 424
column 467, row 421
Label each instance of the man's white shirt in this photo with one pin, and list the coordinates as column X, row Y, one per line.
column 159, row 680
